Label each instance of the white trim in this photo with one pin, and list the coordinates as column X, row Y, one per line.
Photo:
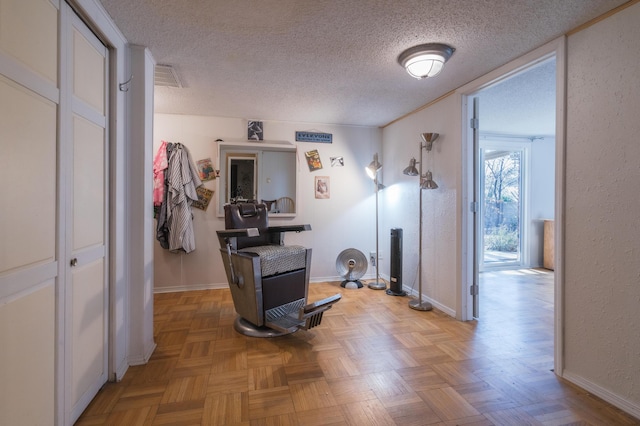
column 119, row 372
column 22, row 282
column 561, row 132
column 616, row 400
column 437, row 305
column 191, row 287
column 64, row 164
column 24, row 76
column 142, row 359
column 555, row 48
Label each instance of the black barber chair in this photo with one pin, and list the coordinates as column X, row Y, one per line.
column 269, row 281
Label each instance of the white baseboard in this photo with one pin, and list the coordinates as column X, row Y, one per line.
column 439, row 306
column 325, row 279
column 216, row 286
column 338, row 278
column 121, row 371
column 612, row 398
column 141, row 360
column 178, row 288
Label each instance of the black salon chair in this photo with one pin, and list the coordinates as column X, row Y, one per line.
column 269, row 281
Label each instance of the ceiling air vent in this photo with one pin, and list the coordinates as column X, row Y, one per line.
column 166, row 76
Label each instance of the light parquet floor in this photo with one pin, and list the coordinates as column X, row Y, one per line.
column 372, row 361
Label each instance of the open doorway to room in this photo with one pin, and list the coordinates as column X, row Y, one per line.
column 511, row 187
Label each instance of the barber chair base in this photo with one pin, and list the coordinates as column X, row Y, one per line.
column 243, row 326
column 307, row 317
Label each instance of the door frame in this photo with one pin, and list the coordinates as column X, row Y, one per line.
column 555, row 48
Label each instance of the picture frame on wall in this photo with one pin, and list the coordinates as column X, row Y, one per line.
column 204, row 198
column 313, row 160
column 205, row 169
column 255, row 130
column 322, row 187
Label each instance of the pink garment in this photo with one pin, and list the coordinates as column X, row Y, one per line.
column 160, row 164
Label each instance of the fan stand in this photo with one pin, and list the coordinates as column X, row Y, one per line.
column 351, row 266
column 394, row 293
column 351, row 284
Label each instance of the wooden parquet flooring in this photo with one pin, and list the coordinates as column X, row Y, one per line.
column 372, row 361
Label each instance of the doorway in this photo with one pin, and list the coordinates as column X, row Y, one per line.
column 499, row 112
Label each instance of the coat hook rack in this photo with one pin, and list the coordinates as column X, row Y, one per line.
column 124, row 87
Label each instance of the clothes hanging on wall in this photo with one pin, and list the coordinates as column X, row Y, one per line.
column 174, row 229
column 160, row 164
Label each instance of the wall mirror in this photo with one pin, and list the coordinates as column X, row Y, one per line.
column 266, row 172
column 240, row 182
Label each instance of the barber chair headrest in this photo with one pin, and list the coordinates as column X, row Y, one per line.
column 246, row 215
column 247, row 209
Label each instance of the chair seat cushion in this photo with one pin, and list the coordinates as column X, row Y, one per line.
column 276, row 259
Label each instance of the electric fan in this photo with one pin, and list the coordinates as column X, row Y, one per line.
column 351, row 265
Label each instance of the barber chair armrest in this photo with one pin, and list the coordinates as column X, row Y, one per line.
column 229, row 236
column 289, row 228
column 276, row 233
column 231, row 233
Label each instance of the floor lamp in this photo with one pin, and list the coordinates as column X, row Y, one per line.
column 426, row 182
column 372, row 171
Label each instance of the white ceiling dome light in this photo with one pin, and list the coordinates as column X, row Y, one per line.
column 425, row 60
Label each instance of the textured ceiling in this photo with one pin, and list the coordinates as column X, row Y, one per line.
column 331, row 61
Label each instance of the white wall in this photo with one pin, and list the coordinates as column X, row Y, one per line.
column 345, row 220
column 441, row 207
column 602, row 236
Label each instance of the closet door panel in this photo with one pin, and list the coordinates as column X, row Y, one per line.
column 89, row 327
column 89, row 175
column 28, row 172
column 37, row 50
column 89, row 74
column 27, row 357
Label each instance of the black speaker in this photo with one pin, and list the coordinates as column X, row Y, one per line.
column 395, row 274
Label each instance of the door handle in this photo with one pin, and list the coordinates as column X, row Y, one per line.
column 74, row 262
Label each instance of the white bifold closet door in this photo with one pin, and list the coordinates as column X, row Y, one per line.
column 85, row 178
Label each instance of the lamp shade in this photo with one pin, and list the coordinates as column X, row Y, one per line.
column 373, row 168
column 425, row 60
column 428, row 182
column 411, row 170
column 428, row 139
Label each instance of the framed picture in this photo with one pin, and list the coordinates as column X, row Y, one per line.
column 313, row 160
column 204, row 197
column 255, row 130
column 322, row 188
column 205, row 169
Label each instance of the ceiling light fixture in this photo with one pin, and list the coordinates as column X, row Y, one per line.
column 425, row 60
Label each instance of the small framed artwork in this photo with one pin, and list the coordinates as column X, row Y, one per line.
column 322, row 188
column 204, row 197
column 313, row 160
column 255, row 130
column 206, row 170
column 337, row 162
